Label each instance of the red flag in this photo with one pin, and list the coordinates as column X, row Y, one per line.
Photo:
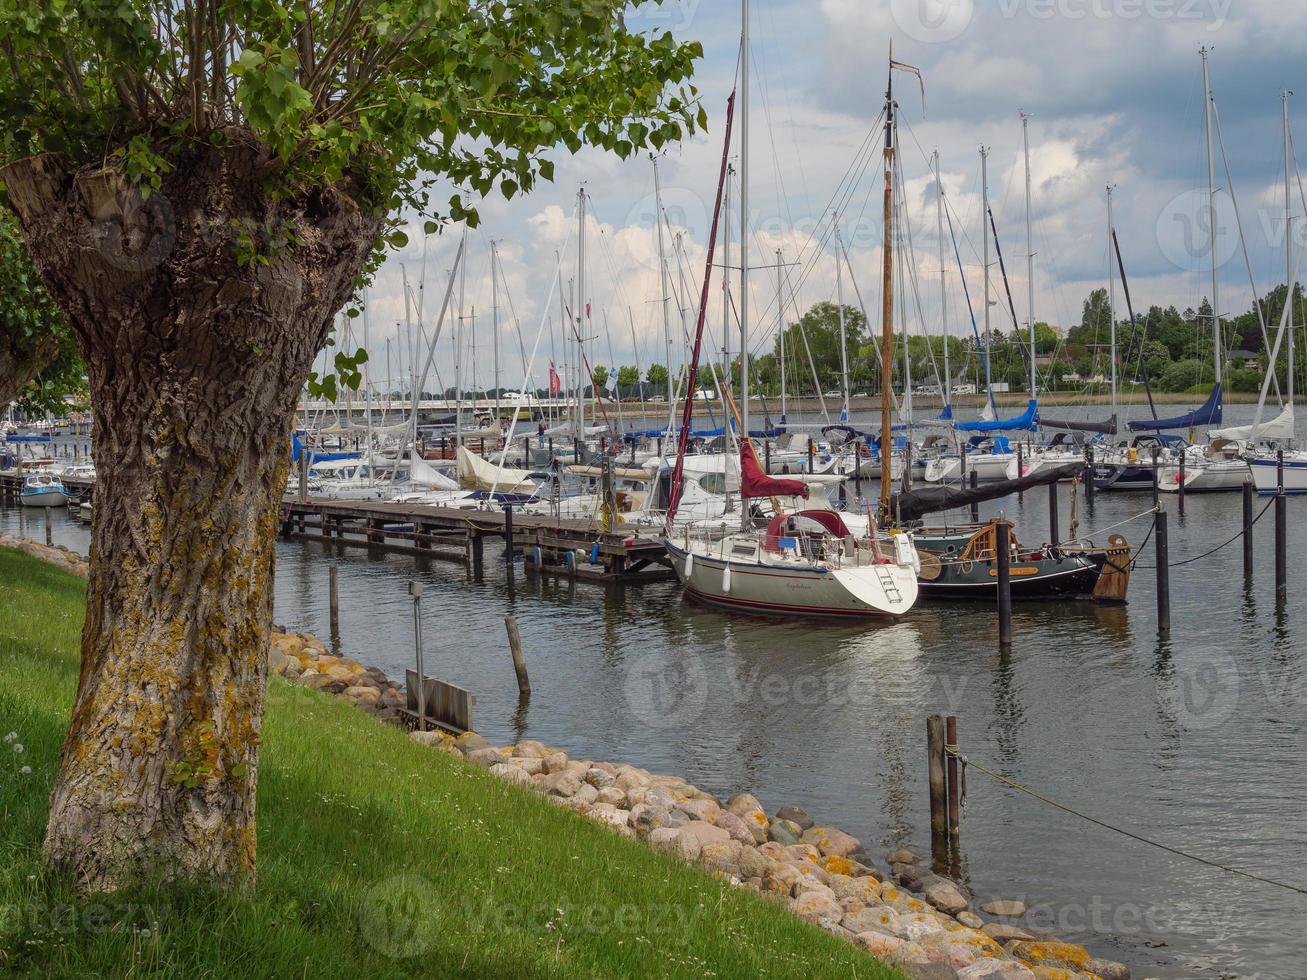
column 587, row 311
column 555, row 383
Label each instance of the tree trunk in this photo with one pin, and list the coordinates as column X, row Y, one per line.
column 195, row 361
column 16, row 369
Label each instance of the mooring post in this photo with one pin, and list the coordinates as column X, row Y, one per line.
column 508, row 532
column 1179, row 489
column 1281, row 546
column 811, row 451
column 1021, row 467
column 1163, row 556
column 1089, row 477
column 333, row 600
column 1053, row 522
column 660, row 447
column 304, row 476
column 1156, row 498
column 519, row 661
column 1248, row 491
column 766, row 456
column 1003, row 550
column 907, row 465
column 954, row 794
column 975, row 507
column 415, row 590
column 938, row 791
column 49, row 527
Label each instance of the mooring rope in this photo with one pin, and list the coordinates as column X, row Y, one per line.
column 1208, row 554
column 1119, row 830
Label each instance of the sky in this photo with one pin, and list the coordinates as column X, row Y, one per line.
column 1113, row 90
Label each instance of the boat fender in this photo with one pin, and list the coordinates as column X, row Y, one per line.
column 689, row 563
column 726, row 580
column 571, row 561
column 537, row 557
column 594, row 553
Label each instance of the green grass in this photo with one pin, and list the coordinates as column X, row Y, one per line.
column 377, row 858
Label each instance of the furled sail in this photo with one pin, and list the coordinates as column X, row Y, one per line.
column 755, row 483
column 1208, row 414
column 1026, row 420
column 1278, row 428
column 914, row 504
column 1107, row 428
column 475, row 473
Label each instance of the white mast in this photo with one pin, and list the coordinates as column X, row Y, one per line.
column 580, row 316
column 1288, row 238
column 1111, row 290
column 726, row 277
column 984, row 220
column 1030, row 253
column 839, row 299
column 744, row 229
column 458, row 351
column 662, row 264
column 494, row 310
column 1211, row 214
column 780, row 327
column 367, row 378
column 943, row 286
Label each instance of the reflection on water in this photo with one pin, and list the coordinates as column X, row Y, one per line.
column 1198, row 741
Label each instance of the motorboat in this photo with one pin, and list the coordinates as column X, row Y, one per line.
column 1220, row 465
column 43, row 490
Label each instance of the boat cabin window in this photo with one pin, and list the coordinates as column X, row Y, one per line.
column 713, row 483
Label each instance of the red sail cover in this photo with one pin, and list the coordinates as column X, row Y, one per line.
column 755, row 483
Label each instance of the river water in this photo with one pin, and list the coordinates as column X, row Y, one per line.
column 1197, row 743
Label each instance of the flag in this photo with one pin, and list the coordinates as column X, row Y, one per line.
column 611, row 383
column 587, row 311
column 555, row 382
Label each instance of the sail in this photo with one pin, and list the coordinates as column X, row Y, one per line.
column 1278, row 428
column 755, row 483
column 422, row 472
column 1107, row 428
column 914, row 504
column 475, row 473
column 1208, row 414
column 1026, row 420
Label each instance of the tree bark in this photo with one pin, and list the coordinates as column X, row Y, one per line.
column 195, row 362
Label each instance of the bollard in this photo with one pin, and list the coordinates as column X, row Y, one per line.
column 415, row 590
column 1179, row 490
column 1003, row 555
column 954, row 796
column 1089, row 477
column 975, row 507
column 1281, row 546
column 1156, row 498
column 49, row 528
column 935, row 762
column 333, row 600
column 1052, row 515
column 519, row 662
column 508, row 532
column 1163, row 575
column 1248, row 491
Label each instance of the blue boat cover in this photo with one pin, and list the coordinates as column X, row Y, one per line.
column 1209, row 414
column 27, row 438
column 1024, row 421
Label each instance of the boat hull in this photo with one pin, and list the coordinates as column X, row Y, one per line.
column 1053, row 579
column 44, row 498
column 1264, row 475
column 988, row 468
column 1205, row 477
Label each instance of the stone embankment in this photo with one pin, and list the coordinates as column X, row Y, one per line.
column 899, row 909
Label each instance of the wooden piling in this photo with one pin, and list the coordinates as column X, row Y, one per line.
column 975, row 507
column 938, row 791
column 1156, row 498
column 49, row 528
column 1179, row 490
column 333, row 600
column 1281, row 546
column 415, row 590
column 1053, row 522
column 954, row 784
column 1163, row 556
column 519, row 661
column 1089, row 477
column 1003, row 557
column 304, row 475
column 1021, row 467
column 811, row 450
column 766, row 456
column 1248, row 491
column 508, row 533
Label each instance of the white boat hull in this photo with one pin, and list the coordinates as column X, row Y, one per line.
column 44, row 498
column 1203, row 477
column 988, row 467
column 796, row 590
column 1264, row 474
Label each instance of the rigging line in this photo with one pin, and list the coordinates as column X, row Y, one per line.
column 1012, row 784
column 1207, row 554
column 982, row 350
column 906, row 233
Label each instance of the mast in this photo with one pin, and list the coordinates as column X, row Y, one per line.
column 744, row 230
column 887, row 296
column 494, row 312
column 943, row 287
column 367, row 379
column 458, row 351
column 1111, row 293
column 984, row 220
column 1030, row 254
column 1211, row 215
column 780, row 327
column 844, row 349
column 726, row 279
column 580, row 316
column 1288, row 238
column 662, row 264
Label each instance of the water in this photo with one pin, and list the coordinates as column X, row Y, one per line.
column 1197, row 742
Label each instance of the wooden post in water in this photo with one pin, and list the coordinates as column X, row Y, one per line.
column 811, row 449
column 766, row 455
column 508, row 533
column 1281, row 531
column 49, row 527
column 1089, row 477
column 1053, row 522
column 1248, row 491
column 1156, row 499
column 415, row 590
column 1003, row 557
column 1021, row 467
column 975, row 507
column 304, row 475
column 519, row 662
column 1179, row 489
column 333, row 599
column 1163, row 555
column 954, row 784
column 938, row 791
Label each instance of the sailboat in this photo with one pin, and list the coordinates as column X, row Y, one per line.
column 806, row 562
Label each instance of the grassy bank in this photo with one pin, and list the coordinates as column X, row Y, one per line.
column 378, row 858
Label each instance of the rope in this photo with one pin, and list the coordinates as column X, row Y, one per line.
column 1177, row 564
column 1125, row 833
